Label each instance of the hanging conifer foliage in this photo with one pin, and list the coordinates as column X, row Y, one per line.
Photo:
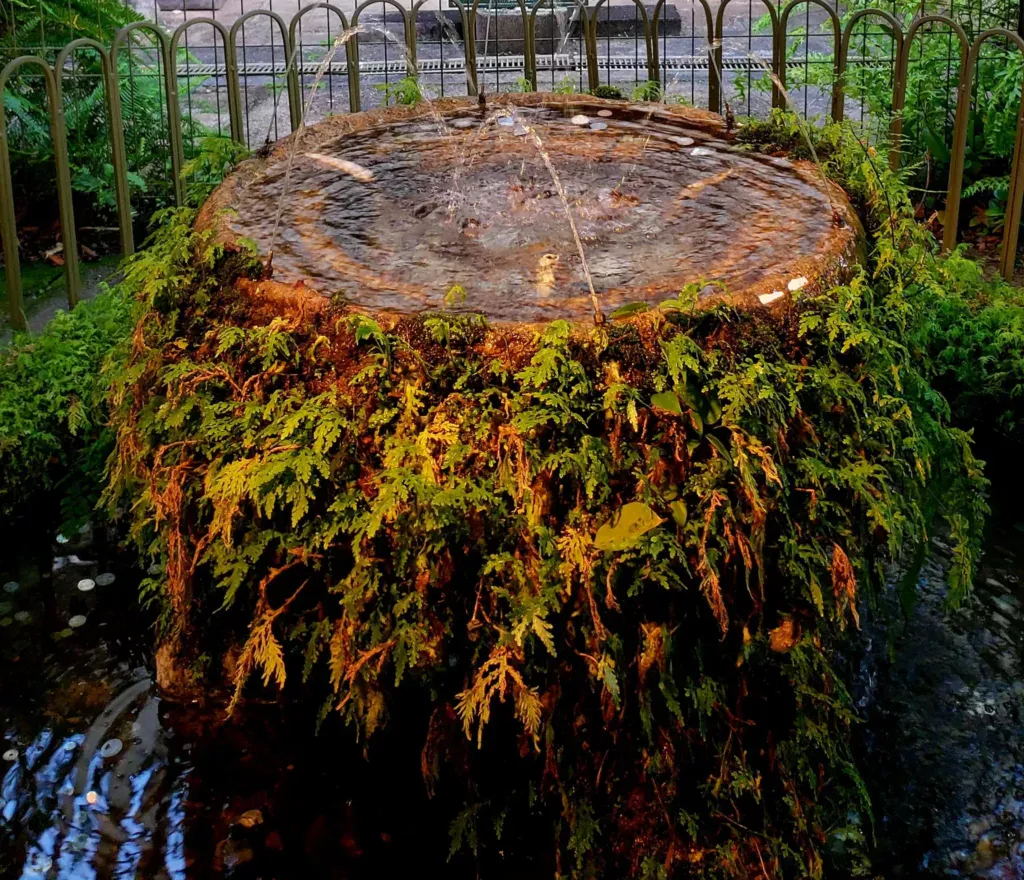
column 611, row 567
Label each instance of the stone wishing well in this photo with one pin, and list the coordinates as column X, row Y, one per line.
column 390, row 209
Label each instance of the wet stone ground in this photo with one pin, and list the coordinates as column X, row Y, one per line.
column 944, row 725
column 100, row 779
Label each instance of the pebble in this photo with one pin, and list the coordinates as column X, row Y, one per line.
column 994, row 584
column 464, row 123
column 77, row 621
column 105, row 579
column 5, row 607
column 767, row 298
column 598, row 126
column 11, row 755
column 155, row 569
column 580, row 120
column 91, row 797
column 23, row 617
column 111, row 747
column 6, row 621
column 62, row 539
column 797, row 284
column 702, row 151
column 519, row 131
column 86, row 585
column 12, row 587
column 604, row 113
column 506, row 120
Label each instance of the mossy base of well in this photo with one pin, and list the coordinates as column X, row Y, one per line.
column 600, row 573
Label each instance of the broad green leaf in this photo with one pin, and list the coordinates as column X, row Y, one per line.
column 721, row 447
column 679, row 513
column 626, row 527
column 630, row 309
column 667, row 401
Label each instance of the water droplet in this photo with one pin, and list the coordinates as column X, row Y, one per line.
column 604, row 113
column 23, row 617
column 105, row 579
column 797, row 284
column 62, row 539
column 580, row 120
column 702, row 151
column 12, row 587
column 598, row 126
column 11, row 755
column 77, row 621
column 506, row 120
column 111, row 747
column 767, row 298
column 86, row 584
column 91, row 797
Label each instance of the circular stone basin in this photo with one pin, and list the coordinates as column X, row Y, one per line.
column 389, row 209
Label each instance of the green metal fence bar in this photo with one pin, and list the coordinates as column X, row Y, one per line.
column 652, row 59
column 956, row 170
column 715, row 85
column 837, row 49
column 118, row 158
column 291, row 75
column 903, row 70
column 409, row 29
column 351, row 57
column 234, row 111
column 656, row 17
column 167, row 61
column 839, row 102
column 8, row 221
column 528, row 16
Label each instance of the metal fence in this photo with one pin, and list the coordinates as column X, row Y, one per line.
column 257, row 75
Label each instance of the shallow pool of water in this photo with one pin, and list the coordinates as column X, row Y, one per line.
column 393, row 214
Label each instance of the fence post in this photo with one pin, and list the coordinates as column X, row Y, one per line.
column 715, row 74
column 119, row 160
column 837, row 29
column 956, row 167
column 170, row 95
column 899, row 96
column 8, row 224
column 839, row 95
column 234, row 111
column 291, row 79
